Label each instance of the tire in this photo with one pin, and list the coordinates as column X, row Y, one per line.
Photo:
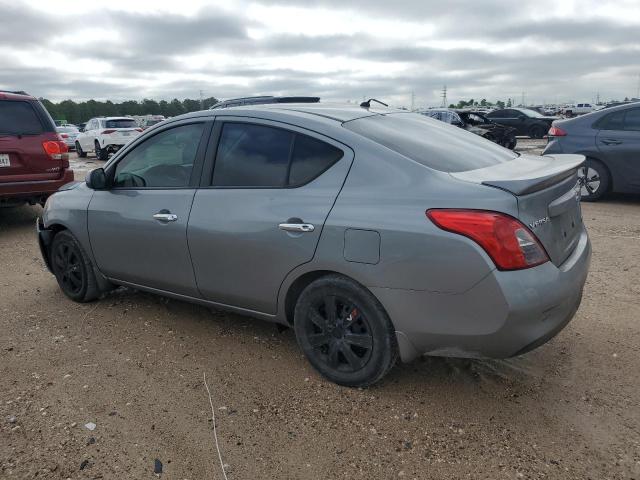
column 511, row 143
column 355, row 345
column 81, row 153
column 101, row 153
column 595, row 180
column 72, row 268
column 536, row 131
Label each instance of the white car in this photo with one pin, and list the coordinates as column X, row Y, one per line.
column 105, row 135
column 577, row 109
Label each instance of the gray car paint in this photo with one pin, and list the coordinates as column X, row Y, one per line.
column 442, row 292
column 621, row 156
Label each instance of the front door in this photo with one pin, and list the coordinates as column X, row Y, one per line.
column 138, row 227
column 261, row 212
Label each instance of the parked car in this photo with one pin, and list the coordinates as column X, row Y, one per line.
column 526, row 122
column 262, row 100
column 577, row 109
column 610, row 141
column 68, row 133
column 477, row 123
column 34, row 161
column 372, row 232
column 105, row 135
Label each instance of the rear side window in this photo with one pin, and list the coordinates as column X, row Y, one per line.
column 433, row 144
column 261, row 156
column 613, row 121
column 310, row 158
column 121, row 123
column 632, row 120
column 19, row 118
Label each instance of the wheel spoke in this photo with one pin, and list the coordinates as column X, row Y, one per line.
column 354, row 361
column 358, row 339
column 318, row 320
column 589, row 188
column 333, row 355
column 319, row 339
column 330, row 309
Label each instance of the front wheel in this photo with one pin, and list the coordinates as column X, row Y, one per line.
column 344, row 332
column 536, row 131
column 72, row 268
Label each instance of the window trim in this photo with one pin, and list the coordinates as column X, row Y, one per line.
column 214, row 144
column 196, row 172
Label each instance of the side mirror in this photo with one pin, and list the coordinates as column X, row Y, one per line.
column 96, row 179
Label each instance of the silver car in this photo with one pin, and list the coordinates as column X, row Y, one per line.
column 374, row 233
column 68, row 133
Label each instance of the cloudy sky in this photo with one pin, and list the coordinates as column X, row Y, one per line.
column 553, row 50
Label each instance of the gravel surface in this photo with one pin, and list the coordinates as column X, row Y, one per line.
column 114, row 389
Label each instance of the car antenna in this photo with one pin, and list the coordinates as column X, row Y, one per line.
column 367, row 104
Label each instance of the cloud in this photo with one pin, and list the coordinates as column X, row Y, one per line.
column 338, row 50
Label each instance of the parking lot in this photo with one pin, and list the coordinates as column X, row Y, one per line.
column 133, row 364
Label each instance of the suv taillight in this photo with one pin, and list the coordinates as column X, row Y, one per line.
column 56, row 150
column 557, row 132
column 509, row 243
column 108, row 131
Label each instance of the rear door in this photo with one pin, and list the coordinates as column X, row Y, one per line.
column 23, row 129
column 138, row 228
column 619, row 141
column 261, row 209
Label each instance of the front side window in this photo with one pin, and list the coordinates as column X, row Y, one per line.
column 164, row 160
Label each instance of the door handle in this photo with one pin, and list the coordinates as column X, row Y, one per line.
column 166, row 217
column 608, row 141
column 297, row 227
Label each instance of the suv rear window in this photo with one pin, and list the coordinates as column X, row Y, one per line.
column 19, row 118
column 431, row 143
column 121, row 123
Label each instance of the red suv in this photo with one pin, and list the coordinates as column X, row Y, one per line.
column 34, row 161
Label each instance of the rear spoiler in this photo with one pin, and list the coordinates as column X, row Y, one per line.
column 525, row 174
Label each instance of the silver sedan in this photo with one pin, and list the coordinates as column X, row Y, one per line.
column 68, row 134
column 374, row 233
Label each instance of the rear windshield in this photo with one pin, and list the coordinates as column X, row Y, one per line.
column 67, row 129
column 19, row 118
column 121, row 123
column 432, row 143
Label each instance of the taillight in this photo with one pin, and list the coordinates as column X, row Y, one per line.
column 138, row 129
column 557, row 132
column 108, row 131
column 64, row 135
column 509, row 243
column 56, row 150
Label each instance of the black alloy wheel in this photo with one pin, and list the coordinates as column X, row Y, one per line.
column 344, row 332
column 72, row 268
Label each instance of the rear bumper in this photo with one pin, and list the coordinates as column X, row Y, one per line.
column 35, row 190
column 505, row 314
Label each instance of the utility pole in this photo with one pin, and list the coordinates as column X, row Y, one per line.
column 522, row 99
column 444, row 97
column 201, row 100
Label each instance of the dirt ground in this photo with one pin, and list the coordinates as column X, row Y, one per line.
column 133, row 364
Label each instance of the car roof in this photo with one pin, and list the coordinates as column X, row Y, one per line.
column 326, row 111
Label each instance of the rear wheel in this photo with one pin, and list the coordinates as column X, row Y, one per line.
column 344, row 332
column 594, row 180
column 72, row 268
column 81, row 153
column 510, row 143
column 101, row 153
column 536, row 131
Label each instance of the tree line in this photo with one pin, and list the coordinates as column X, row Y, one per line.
column 482, row 103
column 79, row 112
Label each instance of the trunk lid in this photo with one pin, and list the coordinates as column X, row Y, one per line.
column 548, row 195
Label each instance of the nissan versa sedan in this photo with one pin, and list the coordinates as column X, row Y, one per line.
column 374, row 233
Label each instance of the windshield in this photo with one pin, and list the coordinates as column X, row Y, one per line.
column 530, row 113
column 121, row 123
column 431, row 143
